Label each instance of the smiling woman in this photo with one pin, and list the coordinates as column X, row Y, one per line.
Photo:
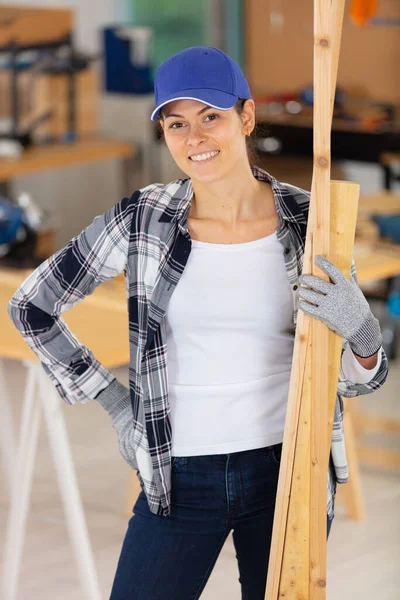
column 212, row 263
column 229, row 333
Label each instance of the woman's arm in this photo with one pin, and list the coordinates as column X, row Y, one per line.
column 352, row 370
column 97, row 254
column 368, row 363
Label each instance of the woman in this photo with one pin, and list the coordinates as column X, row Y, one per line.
column 210, row 364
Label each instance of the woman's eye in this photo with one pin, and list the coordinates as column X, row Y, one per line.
column 179, row 123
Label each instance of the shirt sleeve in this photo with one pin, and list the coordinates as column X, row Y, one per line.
column 98, row 253
column 349, row 388
column 352, row 370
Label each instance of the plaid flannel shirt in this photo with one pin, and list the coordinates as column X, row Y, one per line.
column 146, row 237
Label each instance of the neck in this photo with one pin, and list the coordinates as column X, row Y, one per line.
column 233, row 198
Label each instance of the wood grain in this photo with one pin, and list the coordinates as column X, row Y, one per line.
column 297, row 567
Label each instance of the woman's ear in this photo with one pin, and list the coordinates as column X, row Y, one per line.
column 248, row 114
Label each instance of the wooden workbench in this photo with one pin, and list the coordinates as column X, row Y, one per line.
column 380, row 262
column 380, row 203
column 41, row 158
column 54, row 156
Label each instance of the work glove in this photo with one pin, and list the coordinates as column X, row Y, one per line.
column 342, row 306
column 115, row 399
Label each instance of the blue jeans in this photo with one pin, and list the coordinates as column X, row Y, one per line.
column 172, row 558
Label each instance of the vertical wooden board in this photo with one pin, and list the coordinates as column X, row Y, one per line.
column 287, row 460
column 344, row 199
column 295, row 579
column 317, row 242
column 319, row 331
column 292, row 584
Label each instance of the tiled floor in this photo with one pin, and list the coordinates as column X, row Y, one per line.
column 363, row 558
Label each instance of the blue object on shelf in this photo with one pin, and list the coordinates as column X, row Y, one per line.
column 306, row 95
column 389, row 226
column 69, row 137
column 394, row 304
column 11, row 220
column 128, row 59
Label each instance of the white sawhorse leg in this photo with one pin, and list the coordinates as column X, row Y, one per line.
column 7, row 431
column 22, row 481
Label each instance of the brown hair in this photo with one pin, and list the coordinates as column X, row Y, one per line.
column 239, row 106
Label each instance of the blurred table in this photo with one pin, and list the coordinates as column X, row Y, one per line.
column 349, row 140
column 380, row 203
column 381, row 262
column 44, row 157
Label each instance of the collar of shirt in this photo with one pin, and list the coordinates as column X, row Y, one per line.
column 181, row 193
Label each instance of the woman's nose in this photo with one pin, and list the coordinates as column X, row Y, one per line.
column 195, row 134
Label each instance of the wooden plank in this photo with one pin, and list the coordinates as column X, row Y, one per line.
column 287, row 461
column 344, row 202
column 318, row 347
column 286, row 577
column 297, row 535
column 295, row 576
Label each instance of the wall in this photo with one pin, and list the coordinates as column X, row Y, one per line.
column 369, row 57
column 176, row 24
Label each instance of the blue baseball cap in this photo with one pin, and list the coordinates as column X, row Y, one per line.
column 200, row 73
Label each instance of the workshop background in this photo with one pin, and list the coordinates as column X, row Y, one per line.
column 76, row 136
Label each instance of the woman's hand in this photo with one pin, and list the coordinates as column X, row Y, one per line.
column 115, row 399
column 342, row 306
column 124, row 428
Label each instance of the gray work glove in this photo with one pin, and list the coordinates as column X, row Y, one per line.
column 342, row 306
column 115, row 399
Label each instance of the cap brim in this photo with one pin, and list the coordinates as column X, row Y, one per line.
column 214, row 98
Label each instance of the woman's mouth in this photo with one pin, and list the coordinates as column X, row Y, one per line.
column 204, row 158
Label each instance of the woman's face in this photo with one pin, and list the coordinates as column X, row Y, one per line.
column 193, row 129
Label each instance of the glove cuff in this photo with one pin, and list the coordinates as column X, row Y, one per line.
column 114, row 399
column 368, row 339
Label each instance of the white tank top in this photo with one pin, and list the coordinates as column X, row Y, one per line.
column 230, row 340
